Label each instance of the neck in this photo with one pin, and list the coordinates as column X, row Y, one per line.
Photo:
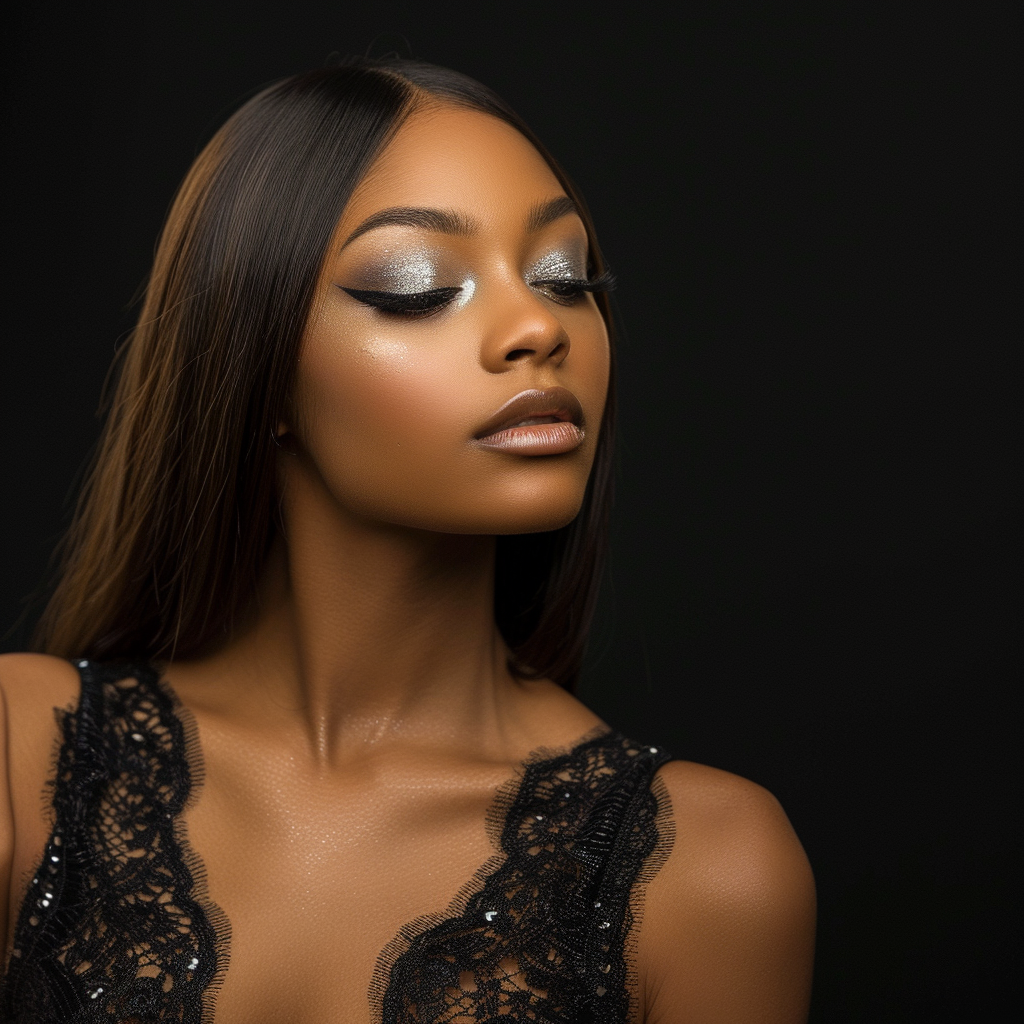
column 369, row 632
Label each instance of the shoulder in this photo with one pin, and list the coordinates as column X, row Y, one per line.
column 731, row 813
column 31, row 687
column 728, row 926
column 732, row 836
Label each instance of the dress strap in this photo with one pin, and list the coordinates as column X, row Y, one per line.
column 543, row 933
column 634, row 833
column 114, row 927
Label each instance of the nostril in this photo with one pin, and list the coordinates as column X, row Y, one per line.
column 518, row 353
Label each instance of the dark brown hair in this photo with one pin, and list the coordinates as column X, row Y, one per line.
column 178, row 511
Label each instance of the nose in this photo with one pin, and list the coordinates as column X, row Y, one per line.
column 521, row 327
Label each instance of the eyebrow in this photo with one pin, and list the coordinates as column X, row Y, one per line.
column 545, row 213
column 449, row 222
column 446, row 221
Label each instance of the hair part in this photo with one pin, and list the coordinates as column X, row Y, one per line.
column 178, row 511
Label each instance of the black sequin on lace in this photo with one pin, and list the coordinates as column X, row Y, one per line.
column 111, row 928
column 541, row 935
column 115, row 926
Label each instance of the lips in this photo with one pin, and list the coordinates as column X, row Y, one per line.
column 545, row 421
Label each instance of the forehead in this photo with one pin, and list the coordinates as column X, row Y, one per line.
column 454, row 158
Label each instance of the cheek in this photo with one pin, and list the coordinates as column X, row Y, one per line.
column 379, row 416
column 377, row 390
column 593, row 371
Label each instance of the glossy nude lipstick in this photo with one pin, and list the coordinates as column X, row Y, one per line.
column 535, row 422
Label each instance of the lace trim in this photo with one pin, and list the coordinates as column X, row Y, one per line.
column 116, row 925
column 665, row 837
column 544, row 930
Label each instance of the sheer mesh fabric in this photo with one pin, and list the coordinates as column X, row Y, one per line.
column 116, row 926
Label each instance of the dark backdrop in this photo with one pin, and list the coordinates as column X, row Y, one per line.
column 810, row 584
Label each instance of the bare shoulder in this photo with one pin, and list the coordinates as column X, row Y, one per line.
column 32, row 685
column 728, row 926
column 725, row 814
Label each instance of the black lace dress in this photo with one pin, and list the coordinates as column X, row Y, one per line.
column 116, row 926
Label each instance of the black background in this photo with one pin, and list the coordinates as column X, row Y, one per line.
column 806, row 210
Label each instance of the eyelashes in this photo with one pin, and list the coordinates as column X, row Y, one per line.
column 568, row 290
column 408, row 303
column 564, row 291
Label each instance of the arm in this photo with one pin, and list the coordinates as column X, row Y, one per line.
column 727, row 935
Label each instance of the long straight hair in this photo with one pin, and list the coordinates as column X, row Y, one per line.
column 178, row 511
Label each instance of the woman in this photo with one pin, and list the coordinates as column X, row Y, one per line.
column 326, row 599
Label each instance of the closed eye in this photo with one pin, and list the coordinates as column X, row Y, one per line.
column 567, row 290
column 419, row 304
column 405, row 303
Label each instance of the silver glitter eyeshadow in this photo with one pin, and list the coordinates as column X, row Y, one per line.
column 559, row 265
column 405, row 273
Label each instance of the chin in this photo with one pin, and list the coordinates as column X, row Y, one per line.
column 526, row 510
column 539, row 520
column 529, row 499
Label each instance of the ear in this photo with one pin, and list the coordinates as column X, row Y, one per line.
column 284, row 431
column 282, row 434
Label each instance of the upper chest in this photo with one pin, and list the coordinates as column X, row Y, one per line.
column 426, row 894
column 317, row 875
column 395, row 895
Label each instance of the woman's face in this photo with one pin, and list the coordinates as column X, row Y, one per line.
column 454, row 372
